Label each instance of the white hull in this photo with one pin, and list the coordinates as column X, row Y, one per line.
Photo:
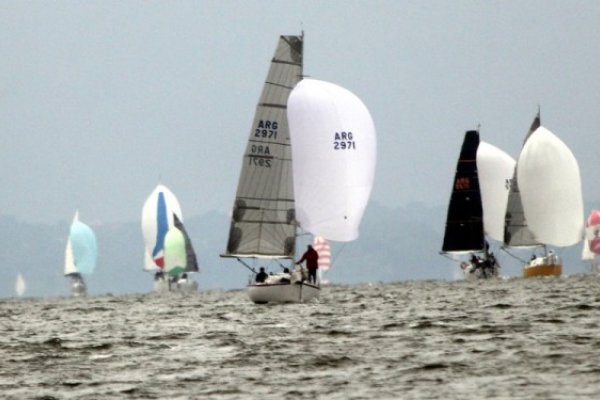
column 298, row 292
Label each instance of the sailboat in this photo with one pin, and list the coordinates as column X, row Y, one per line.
column 271, row 203
column 477, row 206
column 80, row 255
column 180, row 258
column 591, row 244
column 323, row 249
column 162, row 214
column 547, row 170
column 20, row 285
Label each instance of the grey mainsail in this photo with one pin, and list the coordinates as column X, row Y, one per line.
column 263, row 220
column 516, row 232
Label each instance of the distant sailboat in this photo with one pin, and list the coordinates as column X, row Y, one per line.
column 161, row 214
column 330, row 131
column 591, row 244
column 20, row 285
column 80, row 255
column 547, row 170
column 323, row 249
column 180, row 258
column 477, row 205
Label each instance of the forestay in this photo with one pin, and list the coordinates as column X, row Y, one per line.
column 550, row 187
column 334, row 153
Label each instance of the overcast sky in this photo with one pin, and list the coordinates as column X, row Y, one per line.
column 101, row 100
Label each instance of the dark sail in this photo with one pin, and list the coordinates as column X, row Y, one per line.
column 192, row 263
column 464, row 224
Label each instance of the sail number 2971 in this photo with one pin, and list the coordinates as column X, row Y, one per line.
column 266, row 129
column 344, row 141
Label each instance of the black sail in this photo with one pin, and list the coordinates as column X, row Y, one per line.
column 464, row 224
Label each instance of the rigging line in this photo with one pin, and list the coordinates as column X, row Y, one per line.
column 512, row 255
column 448, row 256
column 338, row 253
column 245, row 265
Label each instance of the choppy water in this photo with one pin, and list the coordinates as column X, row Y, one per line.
column 504, row 339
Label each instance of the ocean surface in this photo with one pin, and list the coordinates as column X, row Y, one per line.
column 498, row 339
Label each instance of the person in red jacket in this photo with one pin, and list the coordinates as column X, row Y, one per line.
column 312, row 263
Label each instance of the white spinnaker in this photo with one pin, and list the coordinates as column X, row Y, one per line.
column 334, row 153
column 152, row 228
column 495, row 168
column 550, row 186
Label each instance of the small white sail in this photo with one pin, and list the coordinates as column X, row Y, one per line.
column 495, row 169
column 20, row 285
column 333, row 152
column 550, row 184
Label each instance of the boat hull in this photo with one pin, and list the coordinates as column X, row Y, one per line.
column 530, row 271
column 78, row 289
column 472, row 273
column 163, row 285
column 297, row 292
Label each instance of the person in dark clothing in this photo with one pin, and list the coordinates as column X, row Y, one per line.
column 261, row 276
column 312, row 263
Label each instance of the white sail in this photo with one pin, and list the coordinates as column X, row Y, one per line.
column 333, row 151
column 157, row 219
column 550, row 185
column 495, row 169
column 20, row 285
